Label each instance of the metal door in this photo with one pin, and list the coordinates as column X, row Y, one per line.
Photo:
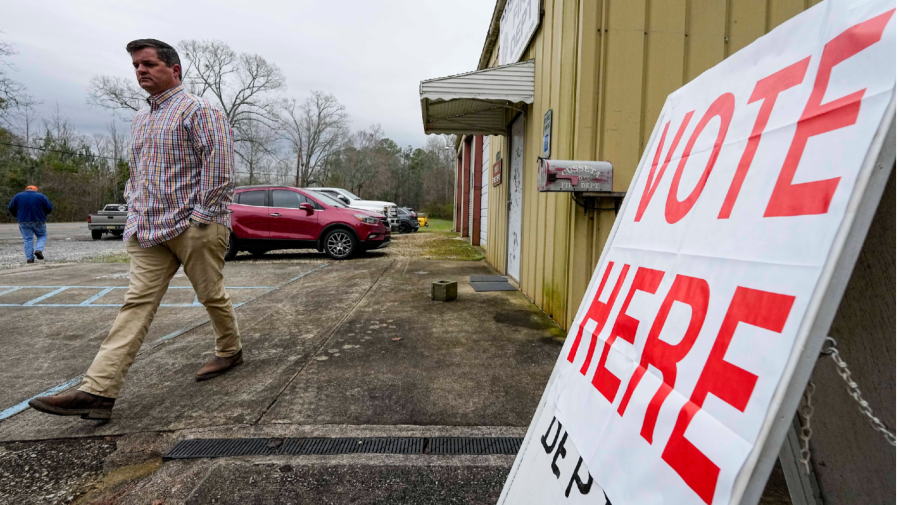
column 471, row 185
column 515, row 198
column 484, row 191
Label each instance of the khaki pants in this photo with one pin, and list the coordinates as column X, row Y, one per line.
column 201, row 251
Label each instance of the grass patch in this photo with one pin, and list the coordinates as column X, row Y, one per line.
column 436, row 226
column 436, row 241
column 449, row 247
column 119, row 257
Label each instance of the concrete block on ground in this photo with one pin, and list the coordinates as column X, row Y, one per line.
column 444, row 291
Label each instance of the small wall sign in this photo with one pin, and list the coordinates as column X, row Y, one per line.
column 547, row 134
column 497, row 172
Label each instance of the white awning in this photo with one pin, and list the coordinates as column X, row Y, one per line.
column 476, row 103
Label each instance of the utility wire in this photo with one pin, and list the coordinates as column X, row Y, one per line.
column 58, row 151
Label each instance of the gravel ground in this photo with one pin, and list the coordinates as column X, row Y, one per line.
column 52, row 472
column 241, row 484
column 437, row 246
column 72, row 242
column 66, row 242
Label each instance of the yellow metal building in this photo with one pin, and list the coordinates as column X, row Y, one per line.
column 604, row 68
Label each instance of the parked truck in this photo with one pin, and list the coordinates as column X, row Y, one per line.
column 388, row 209
column 111, row 219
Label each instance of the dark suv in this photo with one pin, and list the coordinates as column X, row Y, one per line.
column 265, row 218
column 408, row 220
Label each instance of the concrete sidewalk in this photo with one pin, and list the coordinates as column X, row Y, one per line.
column 342, row 349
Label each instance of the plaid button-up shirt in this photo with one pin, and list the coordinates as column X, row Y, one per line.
column 182, row 167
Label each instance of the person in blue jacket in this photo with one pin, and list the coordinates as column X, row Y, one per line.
column 30, row 208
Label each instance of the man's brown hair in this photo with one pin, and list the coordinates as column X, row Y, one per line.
column 164, row 52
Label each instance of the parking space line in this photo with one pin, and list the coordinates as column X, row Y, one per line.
column 104, row 290
column 205, row 320
column 19, row 407
column 96, row 297
column 15, row 409
column 9, row 290
column 122, row 287
column 44, row 297
column 70, row 287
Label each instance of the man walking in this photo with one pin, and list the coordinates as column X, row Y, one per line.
column 182, row 180
column 30, row 209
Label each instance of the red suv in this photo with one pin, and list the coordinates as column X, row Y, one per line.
column 265, row 218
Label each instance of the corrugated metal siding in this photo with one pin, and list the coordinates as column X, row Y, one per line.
column 460, row 116
column 476, row 102
column 497, row 230
column 510, row 82
column 455, row 199
column 605, row 67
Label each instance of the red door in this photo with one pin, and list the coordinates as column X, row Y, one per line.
column 249, row 215
column 287, row 221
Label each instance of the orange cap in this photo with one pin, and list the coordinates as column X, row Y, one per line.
column 32, row 188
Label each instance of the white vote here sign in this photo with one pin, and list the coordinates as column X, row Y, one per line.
column 689, row 334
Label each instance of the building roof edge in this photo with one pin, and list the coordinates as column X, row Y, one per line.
column 492, row 35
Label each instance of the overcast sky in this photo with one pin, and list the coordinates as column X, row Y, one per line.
column 370, row 54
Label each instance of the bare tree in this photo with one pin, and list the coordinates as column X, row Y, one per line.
column 116, row 94
column 23, row 119
column 120, row 142
column 359, row 161
column 244, row 86
column 104, row 147
column 257, row 151
column 10, row 90
column 60, row 128
column 443, row 174
column 101, row 145
column 282, row 168
column 315, row 130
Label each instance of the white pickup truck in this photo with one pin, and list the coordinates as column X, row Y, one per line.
column 388, row 209
column 111, row 219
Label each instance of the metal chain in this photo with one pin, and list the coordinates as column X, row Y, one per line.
column 805, row 412
column 855, row 392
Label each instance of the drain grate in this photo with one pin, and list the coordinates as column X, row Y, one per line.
column 458, row 445
column 229, row 447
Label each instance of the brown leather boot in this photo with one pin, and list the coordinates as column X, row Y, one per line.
column 218, row 366
column 75, row 403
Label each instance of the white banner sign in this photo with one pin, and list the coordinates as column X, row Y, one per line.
column 518, row 24
column 688, row 336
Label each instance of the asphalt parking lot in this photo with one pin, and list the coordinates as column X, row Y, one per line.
column 78, row 313
column 334, row 349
